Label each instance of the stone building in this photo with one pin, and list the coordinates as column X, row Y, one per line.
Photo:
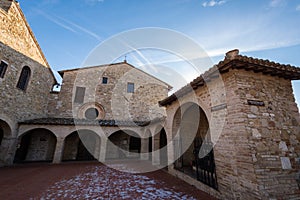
column 25, row 77
column 232, row 132
column 98, row 111
column 248, row 126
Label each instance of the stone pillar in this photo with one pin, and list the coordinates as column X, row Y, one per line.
column 170, row 147
column 155, row 152
column 58, row 150
column 144, row 148
column 102, row 153
column 97, row 149
column 7, row 151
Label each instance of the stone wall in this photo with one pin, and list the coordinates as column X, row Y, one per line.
column 113, row 97
column 18, row 48
column 41, row 146
column 273, row 132
column 5, row 5
column 257, row 150
column 15, row 32
column 19, row 105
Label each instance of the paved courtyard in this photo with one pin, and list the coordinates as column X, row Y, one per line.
column 92, row 181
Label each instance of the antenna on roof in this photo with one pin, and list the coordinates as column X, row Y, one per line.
column 125, row 59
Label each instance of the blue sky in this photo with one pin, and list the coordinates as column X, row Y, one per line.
column 68, row 30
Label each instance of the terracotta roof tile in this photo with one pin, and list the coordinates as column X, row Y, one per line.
column 235, row 61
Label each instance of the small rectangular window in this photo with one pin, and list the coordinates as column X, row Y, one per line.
column 130, row 87
column 104, row 80
column 79, row 94
column 3, row 67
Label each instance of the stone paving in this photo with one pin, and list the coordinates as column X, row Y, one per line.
column 92, row 181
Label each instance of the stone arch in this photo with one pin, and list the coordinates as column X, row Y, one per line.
column 36, row 145
column 191, row 130
column 123, row 144
column 81, row 145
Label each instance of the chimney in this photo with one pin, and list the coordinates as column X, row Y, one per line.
column 232, row 54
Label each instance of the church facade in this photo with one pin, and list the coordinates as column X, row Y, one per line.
column 233, row 132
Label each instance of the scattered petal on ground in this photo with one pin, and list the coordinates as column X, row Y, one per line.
column 102, row 182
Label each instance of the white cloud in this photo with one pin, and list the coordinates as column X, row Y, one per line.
column 276, row 3
column 298, row 8
column 212, row 3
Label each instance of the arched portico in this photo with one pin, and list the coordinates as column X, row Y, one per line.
column 123, row 144
column 192, row 140
column 81, row 145
column 36, row 145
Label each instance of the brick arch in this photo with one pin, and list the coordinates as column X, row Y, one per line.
column 36, row 145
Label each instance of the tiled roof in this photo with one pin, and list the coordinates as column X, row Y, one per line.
column 71, row 121
column 235, row 61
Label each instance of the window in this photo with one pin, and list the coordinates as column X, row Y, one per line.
column 3, row 67
column 130, row 87
column 24, row 78
column 79, row 94
column 104, row 80
column 91, row 113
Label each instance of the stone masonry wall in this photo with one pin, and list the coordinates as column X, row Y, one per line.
column 117, row 103
column 253, row 143
column 18, row 48
column 41, row 146
column 16, row 33
column 19, row 105
column 273, row 132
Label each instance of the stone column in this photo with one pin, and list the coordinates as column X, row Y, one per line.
column 170, row 147
column 58, row 150
column 102, row 153
column 155, row 152
column 144, row 148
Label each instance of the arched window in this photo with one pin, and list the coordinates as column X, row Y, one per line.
column 24, row 78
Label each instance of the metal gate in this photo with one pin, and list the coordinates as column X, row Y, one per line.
column 205, row 166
